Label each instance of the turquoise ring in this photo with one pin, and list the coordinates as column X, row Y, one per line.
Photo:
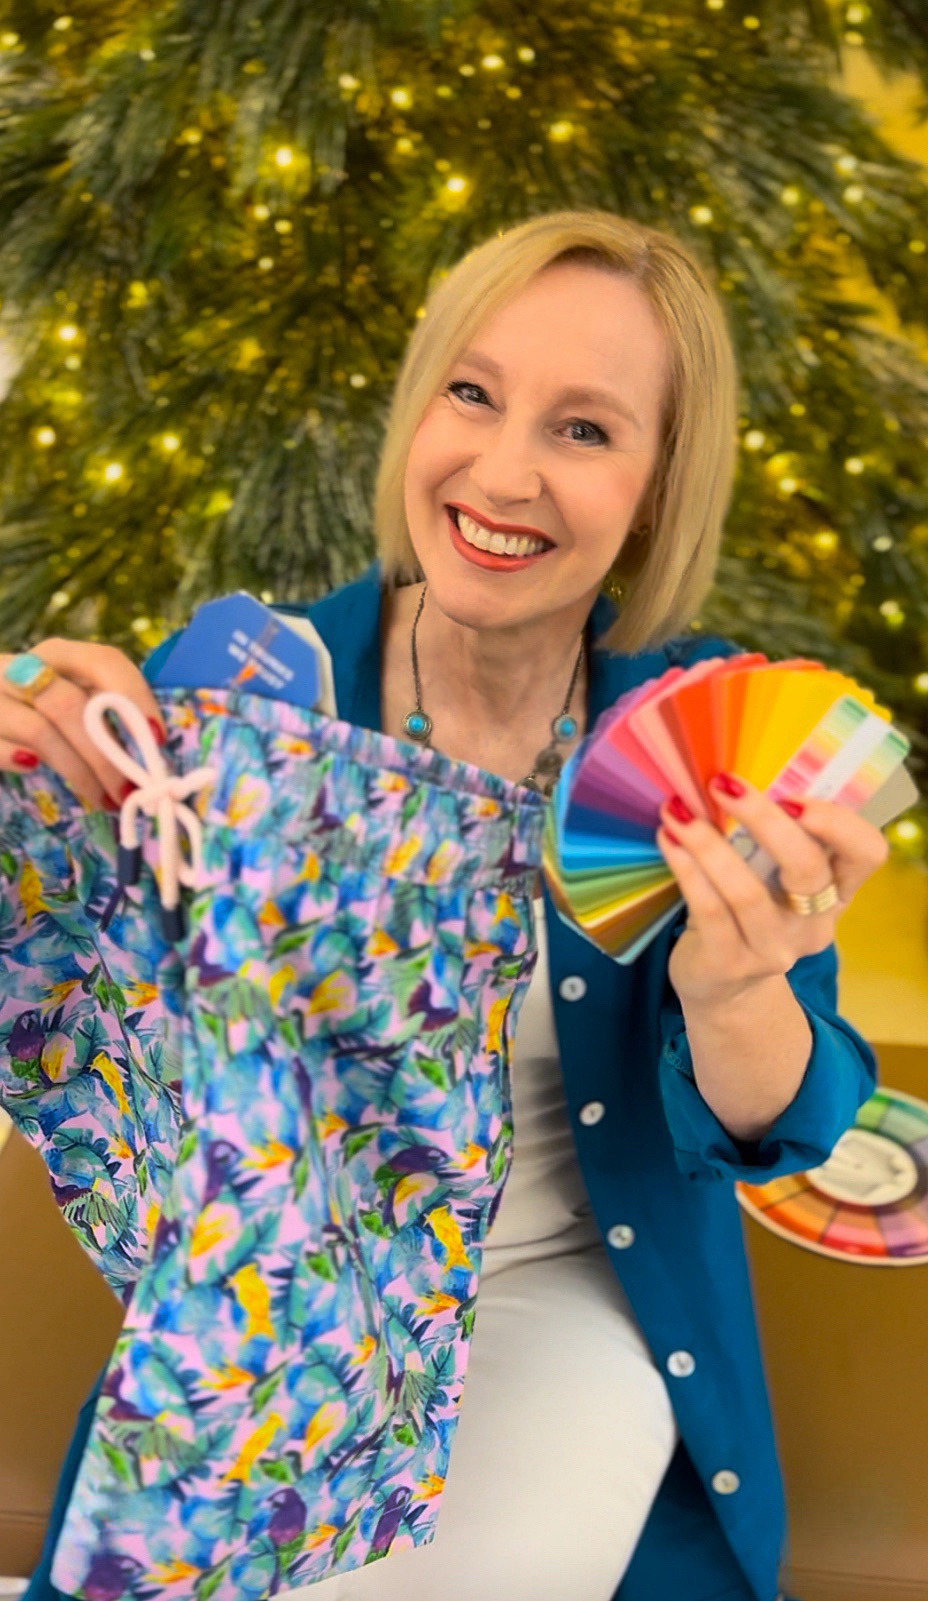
column 29, row 675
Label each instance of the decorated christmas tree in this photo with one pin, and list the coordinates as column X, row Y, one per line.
column 218, row 225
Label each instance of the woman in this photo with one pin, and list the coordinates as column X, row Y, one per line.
column 615, row 1439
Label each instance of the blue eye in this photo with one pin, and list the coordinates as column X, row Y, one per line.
column 577, row 422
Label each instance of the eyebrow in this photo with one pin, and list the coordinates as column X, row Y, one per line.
column 575, row 392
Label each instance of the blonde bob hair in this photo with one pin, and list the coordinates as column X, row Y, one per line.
column 666, row 569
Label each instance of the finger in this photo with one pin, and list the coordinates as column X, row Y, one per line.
column 28, row 734
column 805, row 867
column 95, row 666
column 854, row 844
column 53, row 727
column 758, row 919
column 707, row 908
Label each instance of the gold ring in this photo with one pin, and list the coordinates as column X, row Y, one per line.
column 28, row 675
column 810, row 905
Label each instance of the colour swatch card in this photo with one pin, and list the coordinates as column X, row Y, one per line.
column 236, row 642
column 791, row 728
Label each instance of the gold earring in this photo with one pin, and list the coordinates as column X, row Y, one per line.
column 611, row 584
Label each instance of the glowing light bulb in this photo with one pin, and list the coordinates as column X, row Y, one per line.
column 907, row 832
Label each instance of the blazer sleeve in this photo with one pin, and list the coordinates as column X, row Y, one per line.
column 841, row 1074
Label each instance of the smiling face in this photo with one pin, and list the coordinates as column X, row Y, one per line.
column 506, row 441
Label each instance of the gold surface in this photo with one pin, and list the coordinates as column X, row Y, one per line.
column 882, row 942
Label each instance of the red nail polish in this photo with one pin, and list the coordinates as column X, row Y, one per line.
column 25, row 758
column 729, row 785
column 679, row 809
column 127, row 790
column 671, row 836
column 110, row 804
column 158, row 732
column 792, row 807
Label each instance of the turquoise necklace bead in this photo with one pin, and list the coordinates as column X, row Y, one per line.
column 418, row 725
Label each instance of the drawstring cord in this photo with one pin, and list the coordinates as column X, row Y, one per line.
column 159, row 792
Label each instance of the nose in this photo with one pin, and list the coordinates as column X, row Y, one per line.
column 505, row 475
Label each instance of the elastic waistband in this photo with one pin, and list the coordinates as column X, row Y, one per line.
column 295, row 773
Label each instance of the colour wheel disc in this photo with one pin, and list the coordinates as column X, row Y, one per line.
column 869, row 1201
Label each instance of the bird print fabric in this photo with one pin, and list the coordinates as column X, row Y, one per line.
column 283, row 1139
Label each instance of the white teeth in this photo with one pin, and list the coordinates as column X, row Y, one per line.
column 498, row 544
column 474, row 533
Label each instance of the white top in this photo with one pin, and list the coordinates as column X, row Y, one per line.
column 545, row 1197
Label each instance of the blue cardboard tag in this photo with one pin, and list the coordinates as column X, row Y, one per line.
column 237, row 642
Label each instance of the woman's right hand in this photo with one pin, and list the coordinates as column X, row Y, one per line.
column 53, row 728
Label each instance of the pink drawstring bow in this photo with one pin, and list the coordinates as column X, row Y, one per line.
column 159, row 792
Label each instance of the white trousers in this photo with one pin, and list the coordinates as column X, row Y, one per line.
column 564, row 1435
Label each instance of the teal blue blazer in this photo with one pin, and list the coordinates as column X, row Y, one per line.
column 660, row 1171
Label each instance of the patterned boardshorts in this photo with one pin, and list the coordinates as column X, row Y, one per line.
column 283, row 1138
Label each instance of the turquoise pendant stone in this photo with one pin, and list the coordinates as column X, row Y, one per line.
column 24, row 670
column 564, row 727
column 418, row 725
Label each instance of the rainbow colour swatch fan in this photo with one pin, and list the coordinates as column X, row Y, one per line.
column 791, row 728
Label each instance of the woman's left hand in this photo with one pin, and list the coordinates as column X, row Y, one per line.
column 738, row 933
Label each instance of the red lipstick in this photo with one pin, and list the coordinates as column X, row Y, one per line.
column 486, row 558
